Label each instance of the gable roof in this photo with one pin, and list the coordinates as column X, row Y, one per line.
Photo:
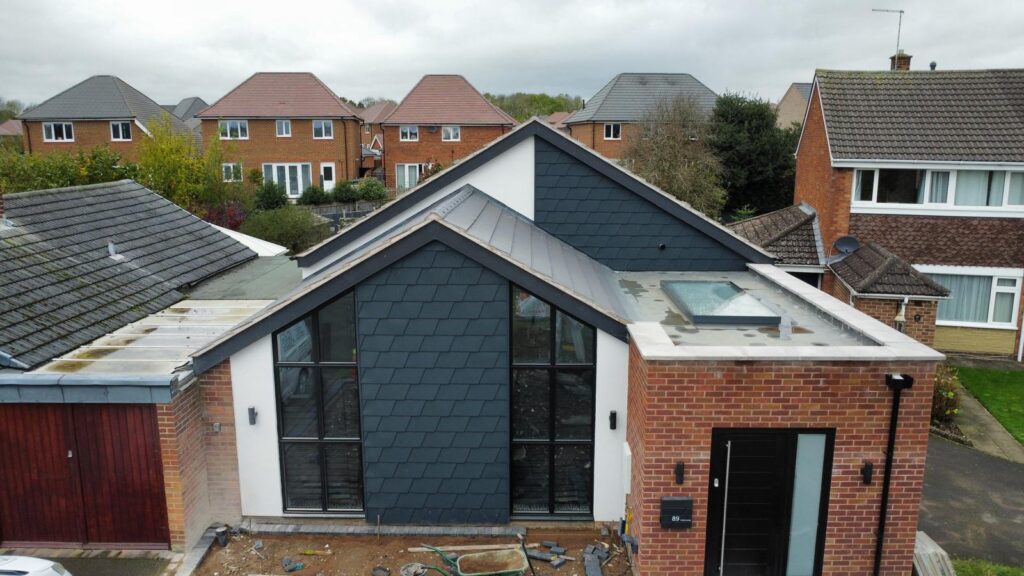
column 949, row 115
column 189, row 107
column 557, row 119
column 100, row 98
column 631, row 95
column 59, row 287
column 279, row 95
column 378, row 112
column 873, row 270
column 10, row 127
column 447, row 99
column 791, row 233
column 536, row 127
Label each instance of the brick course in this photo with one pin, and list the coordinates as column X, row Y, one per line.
column 431, row 150
column 673, row 407
column 88, row 135
column 884, row 311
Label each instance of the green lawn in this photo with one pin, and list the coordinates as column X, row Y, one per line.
column 1001, row 392
column 983, row 568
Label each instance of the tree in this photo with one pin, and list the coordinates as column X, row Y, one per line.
column 523, row 106
column 291, row 226
column 170, row 164
column 10, row 109
column 756, row 155
column 20, row 172
column 371, row 100
column 671, row 152
column 271, row 197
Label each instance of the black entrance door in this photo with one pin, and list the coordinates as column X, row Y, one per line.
column 766, row 490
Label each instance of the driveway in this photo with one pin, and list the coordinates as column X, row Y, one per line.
column 973, row 503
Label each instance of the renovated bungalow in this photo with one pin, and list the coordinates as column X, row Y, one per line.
column 610, row 118
column 440, row 121
column 929, row 166
column 536, row 334
column 288, row 126
column 98, row 111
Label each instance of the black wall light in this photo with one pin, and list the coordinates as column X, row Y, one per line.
column 679, row 472
column 613, row 419
column 252, row 415
column 867, row 471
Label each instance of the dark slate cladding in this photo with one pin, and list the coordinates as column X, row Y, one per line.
column 433, row 368
column 616, row 227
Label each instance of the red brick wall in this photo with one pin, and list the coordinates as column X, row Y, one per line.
column 817, row 183
column 88, row 134
column 678, row 404
column 591, row 134
column 200, row 465
column 884, row 311
column 430, row 149
column 263, row 145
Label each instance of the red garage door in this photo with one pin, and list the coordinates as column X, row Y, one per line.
column 87, row 474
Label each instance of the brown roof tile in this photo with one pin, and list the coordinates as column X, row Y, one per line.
column 378, row 112
column 279, row 95
column 447, row 99
column 11, row 127
column 790, row 233
column 872, row 269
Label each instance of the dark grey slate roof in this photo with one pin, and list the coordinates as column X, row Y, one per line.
column 955, row 115
column 872, row 269
column 630, row 95
column 791, row 233
column 60, row 289
column 100, row 98
column 189, row 107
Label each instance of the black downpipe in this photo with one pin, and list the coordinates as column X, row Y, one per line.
column 897, row 383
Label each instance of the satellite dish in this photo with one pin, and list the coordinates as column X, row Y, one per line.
column 846, row 244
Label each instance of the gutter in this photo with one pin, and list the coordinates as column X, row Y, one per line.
column 897, row 383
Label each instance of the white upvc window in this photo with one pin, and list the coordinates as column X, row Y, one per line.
column 955, row 192
column 451, row 133
column 58, row 132
column 323, row 129
column 231, row 172
column 409, row 133
column 234, row 129
column 613, row 131
column 284, row 128
column 121, row 131
column 406, row 175
column 293, row 177
column 978, row 297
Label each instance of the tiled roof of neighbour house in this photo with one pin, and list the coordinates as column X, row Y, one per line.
column 11, row 127
column 189, row 107
column 791, row 233
column 951, row 115
column 59, row 286
column 280, row 94
column 378, row 112
column 447, row 99
column 557, row 119
column 630, row 95
column 100, row 98
column 871, row 269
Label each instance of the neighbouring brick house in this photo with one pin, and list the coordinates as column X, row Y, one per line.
column 791, row 107
column 118, row 444
column 99, row 111
column 930, row 166
column 440, row 121
column 610, row 118
column 288, row 126
column 372, row 136
column 535, row 334
column 10, row 133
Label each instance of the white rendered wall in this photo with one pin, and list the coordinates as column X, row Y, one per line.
column 612, row 386
column 508, row 178
column 259, row 469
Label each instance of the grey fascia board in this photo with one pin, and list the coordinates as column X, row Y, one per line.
column 86, row 388
column 433, row 231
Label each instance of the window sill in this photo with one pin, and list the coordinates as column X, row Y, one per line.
column 926, row 210
column 58, row 141
column 233, row 139
column 315, row 138
column 983, row 325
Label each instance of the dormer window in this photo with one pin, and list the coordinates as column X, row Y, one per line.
column 121, row 131
column 323, row 130
column 409, row 133
column 58, row 132
column 234, row 129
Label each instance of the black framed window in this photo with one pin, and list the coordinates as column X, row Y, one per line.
column 318, row 410
column 552, row 420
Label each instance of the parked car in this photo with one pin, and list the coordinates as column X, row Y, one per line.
column 27, row 566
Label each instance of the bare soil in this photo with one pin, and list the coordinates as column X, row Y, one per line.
column 358, row 555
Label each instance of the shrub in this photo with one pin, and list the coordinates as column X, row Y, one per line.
column 946, row 395
column 271, row 197
column 372, row 190
column 345, row 192
column 314, row 196
column 230, row 214
column 290, row 226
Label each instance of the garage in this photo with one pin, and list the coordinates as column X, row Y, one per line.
column 84, row 475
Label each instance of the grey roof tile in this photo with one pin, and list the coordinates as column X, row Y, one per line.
column 630, row 95
column 101, row 98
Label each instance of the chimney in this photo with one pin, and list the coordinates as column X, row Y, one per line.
column 900, row 60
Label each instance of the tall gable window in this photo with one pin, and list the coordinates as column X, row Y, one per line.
column 318, row 409
column 409, row 133
column 613, row 131
column 553, row 390
column 234, row 129
column 323, row 129
column 121, row 131
column 284, row 128
column 58, row 132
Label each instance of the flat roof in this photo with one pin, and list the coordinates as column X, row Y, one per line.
column 812, row 326
column 263, row 278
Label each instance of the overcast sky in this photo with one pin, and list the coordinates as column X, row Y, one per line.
column 170, row 50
